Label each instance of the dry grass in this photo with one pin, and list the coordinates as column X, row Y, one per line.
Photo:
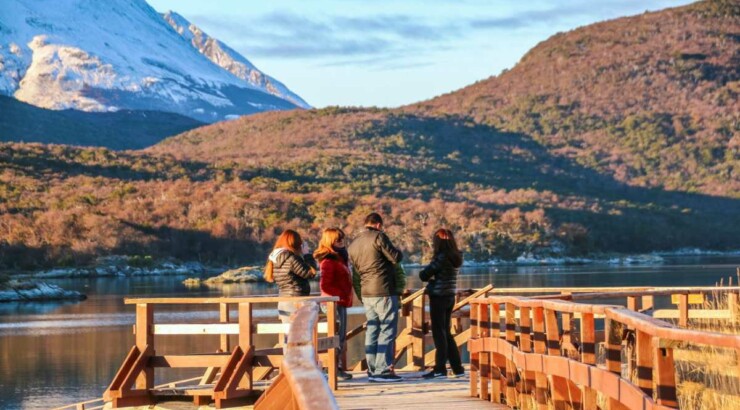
column 709, row 377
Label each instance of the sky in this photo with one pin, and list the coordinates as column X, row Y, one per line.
column 388, row 53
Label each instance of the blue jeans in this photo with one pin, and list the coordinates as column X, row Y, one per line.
column 382, row 322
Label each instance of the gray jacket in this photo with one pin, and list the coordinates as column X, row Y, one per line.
column 374, row 257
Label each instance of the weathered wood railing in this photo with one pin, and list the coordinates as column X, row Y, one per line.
column 300, row 384
column 547, row 351
column 230, row 372
column 413, row 338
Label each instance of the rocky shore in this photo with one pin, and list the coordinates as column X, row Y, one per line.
column 21, row 291
column 240, row 275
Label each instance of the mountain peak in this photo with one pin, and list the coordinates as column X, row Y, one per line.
column 106, row 56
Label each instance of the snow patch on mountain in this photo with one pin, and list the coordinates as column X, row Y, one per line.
column 226, row 57
column 105, row 56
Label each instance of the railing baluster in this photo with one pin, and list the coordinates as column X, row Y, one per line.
column 331, row 321
column 144, row 338
column 525, row 345
column 664, row 372
column 588, row 355
column 644, row 362
column 474, row 354
column 245, row 341
column 511, row 371
column 496, row 362
column 540, row 347
column 485, row 357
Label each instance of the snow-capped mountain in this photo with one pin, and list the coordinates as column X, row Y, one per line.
column 122, row 54
column 224, row 56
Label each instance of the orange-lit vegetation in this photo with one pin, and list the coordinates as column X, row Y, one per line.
column 622, row 136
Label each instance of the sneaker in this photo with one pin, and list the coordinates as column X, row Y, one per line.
column 386, row 378
column 457, row 375
column 342, row 375
column 434, row 375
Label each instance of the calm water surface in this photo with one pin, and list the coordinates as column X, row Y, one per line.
column 59, row 353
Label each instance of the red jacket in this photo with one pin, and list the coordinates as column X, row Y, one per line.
column 336, row 280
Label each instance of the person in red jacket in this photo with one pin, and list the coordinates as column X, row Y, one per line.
column 336, row 280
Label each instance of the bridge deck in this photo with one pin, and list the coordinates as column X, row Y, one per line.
column 412, row 393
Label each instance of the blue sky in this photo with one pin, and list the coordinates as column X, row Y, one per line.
column 388, row 53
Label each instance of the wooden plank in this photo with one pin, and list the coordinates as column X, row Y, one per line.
column 485, row 357
column 702, row 314
column 196, row 329
column 333, row 338
column 474, row 354
column 282, row 328
column 664, row 375
column 185, row 361
column 144, row 340
column 693, row 299
column 683, row 308
column 223, row 317
column 234, row 300
column 418, row 318
column 247, row 346
column 588, row 356
column 644, row 362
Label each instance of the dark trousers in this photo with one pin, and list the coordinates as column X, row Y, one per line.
column 440, row 312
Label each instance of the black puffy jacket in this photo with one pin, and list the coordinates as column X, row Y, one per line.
column 441, row 273
column 291, row 273
column 374, row 257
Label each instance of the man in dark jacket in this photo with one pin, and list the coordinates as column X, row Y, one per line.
column 374, row 258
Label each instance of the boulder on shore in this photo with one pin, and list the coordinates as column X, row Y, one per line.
column 244, row 274
column 18, row 291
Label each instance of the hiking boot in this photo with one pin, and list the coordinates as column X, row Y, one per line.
column 342, row 375
column 435, row 375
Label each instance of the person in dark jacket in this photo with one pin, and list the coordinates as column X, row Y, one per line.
column 441, row 275
column 374, row 258
column 289, row 270
column 336, row 280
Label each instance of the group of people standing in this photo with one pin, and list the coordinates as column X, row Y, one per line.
column 374, row 260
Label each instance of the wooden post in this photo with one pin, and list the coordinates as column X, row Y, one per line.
column 664, row 375
column 511, row 393
column 485, row 357
column 633, row 303
column 223, row 313
column 474, row 356
column 525, row 345
column 644, row 362
column 558, row 385
column 588, row 356
column 331, row 322
column 613, row 336
column 417, row 333
column 245, row 341
column 495, row 365
column 144, row 338
column 683, row 309
column 540, row 347
column 648, row 302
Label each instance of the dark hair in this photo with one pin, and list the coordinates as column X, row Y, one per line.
column 444, row 242
column 373, row 218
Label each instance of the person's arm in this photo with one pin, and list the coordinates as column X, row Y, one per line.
column 400, row 279
column 357, row 284
column 299, row 267
column 328, row 283
column 389, row 251
column 432, row 269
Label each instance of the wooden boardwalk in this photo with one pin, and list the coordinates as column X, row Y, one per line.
column 412, row 393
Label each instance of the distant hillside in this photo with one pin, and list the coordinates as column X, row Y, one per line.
column 118, row 130
column 651, row 99
column 516, row 165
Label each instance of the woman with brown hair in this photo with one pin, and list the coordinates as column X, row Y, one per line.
column 336, row 280
column 441, row 275
column 289, row 270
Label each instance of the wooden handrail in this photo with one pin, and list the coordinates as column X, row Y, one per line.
column 301, row 383
column 230, row 300
column 568, row 371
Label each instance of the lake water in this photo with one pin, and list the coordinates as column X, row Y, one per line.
column 53, row 354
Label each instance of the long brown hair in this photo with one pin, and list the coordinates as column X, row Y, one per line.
column 289, row 240
column 444, row 242
column 328, row 238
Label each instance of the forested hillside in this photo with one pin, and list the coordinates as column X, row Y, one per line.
column 599, row 140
